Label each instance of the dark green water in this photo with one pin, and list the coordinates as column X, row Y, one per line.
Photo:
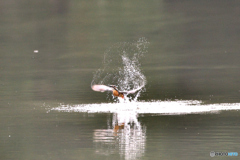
column 193, row 54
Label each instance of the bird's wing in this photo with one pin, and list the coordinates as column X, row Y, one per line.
column 101, row 88
column 132, row 91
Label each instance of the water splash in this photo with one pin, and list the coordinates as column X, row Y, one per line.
column 125, row 133
column 122, row 68
column 177, row 107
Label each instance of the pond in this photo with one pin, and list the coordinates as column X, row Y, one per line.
column 183, row 58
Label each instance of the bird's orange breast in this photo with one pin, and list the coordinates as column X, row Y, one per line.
column 117, row 94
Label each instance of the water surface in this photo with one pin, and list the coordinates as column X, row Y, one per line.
column 190, row 105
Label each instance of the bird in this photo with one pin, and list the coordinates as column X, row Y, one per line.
column 114, row 90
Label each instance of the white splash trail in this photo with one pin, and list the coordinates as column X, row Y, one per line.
column 154, row 107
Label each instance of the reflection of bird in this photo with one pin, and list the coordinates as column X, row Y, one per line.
column 115, row 91
column 118, row 127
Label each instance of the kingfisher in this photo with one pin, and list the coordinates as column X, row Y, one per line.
column 114, row 90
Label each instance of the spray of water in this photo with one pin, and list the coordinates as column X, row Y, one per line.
column 122, row 68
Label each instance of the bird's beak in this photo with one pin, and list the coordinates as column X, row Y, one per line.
column 111, row 86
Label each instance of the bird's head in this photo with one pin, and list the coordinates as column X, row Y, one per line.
column 113, row 86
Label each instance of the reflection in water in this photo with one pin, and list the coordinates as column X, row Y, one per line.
column 125, row 136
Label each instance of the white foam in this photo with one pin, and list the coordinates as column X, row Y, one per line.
column 154, row 107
